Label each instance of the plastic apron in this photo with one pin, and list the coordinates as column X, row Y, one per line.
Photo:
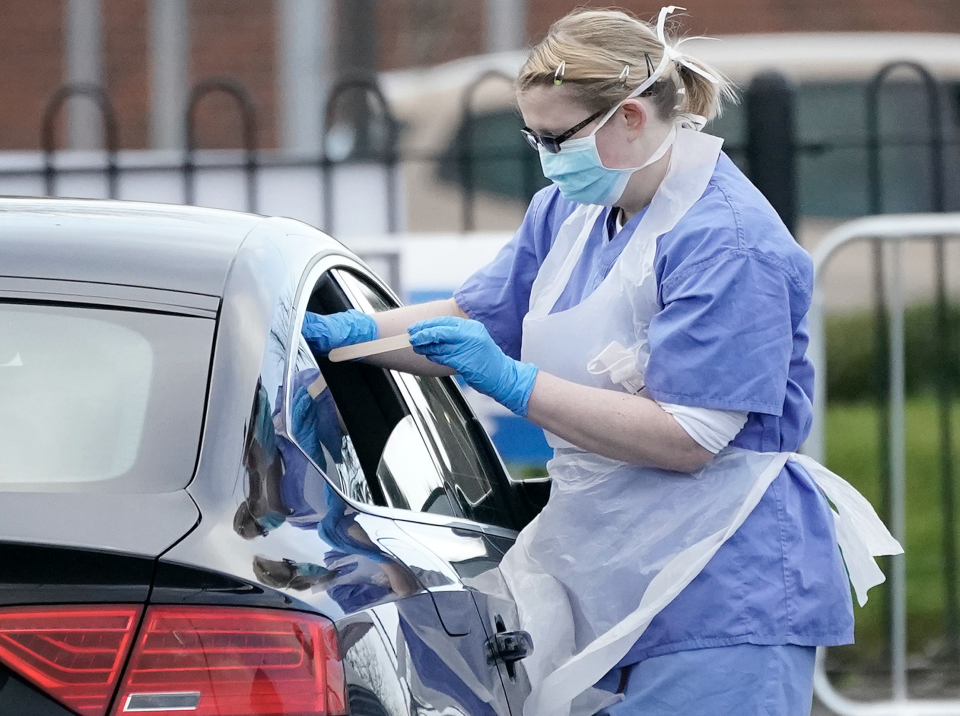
column 617, row 542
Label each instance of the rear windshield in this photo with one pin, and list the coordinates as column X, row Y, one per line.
column 96, row 399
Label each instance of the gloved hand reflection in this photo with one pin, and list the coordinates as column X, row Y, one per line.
column 315, row 424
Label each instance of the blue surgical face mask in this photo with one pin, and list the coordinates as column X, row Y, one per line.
column 577, row 168
column 270, row 522
column 579, row 172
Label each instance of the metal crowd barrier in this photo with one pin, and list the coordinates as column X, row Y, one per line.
column 891, row 230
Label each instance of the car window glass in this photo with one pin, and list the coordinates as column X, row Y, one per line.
column 281, row 485
column 408, row 474
column 318, row 428
column 463, row 471
column 460, row 461
column 370, row 299
column 94, row 397
column 315, row 424
column 406, row 470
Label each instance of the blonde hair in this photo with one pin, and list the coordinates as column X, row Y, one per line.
column 594, row 48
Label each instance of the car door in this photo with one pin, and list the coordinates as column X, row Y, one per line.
column 429, row 465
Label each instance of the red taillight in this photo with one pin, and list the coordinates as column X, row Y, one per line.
column 241, row 662
column 73, row 653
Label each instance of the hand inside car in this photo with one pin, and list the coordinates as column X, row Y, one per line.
column 323, row 333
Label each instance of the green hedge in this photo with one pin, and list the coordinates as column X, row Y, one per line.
column 851, row 349
column 853, row 453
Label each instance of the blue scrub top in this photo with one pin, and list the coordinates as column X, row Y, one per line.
column 734, row 289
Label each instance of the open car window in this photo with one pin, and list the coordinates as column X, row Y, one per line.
column 416, row 444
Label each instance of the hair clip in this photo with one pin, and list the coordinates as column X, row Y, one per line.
column 624, row 76
column 650, row 68
column 558, row 75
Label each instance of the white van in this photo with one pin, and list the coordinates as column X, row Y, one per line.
column 831, row 72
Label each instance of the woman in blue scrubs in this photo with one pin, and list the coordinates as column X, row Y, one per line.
column 650, row 315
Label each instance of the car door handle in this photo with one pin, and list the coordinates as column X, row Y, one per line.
column 509, row 646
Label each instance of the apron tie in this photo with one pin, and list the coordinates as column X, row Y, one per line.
column 860, row 532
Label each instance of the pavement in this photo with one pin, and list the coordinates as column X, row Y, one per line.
column 925, row 681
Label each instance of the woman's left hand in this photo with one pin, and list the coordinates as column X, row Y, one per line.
column 465, row 346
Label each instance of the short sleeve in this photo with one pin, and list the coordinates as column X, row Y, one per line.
column 724, row 336
column 498, row 295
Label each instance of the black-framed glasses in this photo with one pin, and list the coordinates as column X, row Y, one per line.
column 552, row 142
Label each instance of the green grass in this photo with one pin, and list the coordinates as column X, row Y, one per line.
column 852, row 439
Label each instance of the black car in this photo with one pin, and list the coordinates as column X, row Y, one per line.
column 198, row 516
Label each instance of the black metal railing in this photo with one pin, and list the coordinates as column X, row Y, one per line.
column 771, row 146
column 387, row 154
column 48, row 138
column 935, row 145
column 248, row 116
column 466, row 148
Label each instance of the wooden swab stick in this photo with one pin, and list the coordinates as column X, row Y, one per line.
column 369, row 348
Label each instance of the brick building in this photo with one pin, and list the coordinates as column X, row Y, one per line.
column 239, row 39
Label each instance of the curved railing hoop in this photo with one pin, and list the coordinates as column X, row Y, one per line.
column 465, row 153
column 248, row 115
column 370, row 88
column 48, row 130
column 935, row 127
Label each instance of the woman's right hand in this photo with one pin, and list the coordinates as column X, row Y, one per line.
column 323, row 333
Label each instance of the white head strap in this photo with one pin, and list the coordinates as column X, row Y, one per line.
column 671, row 53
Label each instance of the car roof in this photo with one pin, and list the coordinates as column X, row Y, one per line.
column 177, row 248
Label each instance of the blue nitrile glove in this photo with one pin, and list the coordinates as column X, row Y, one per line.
column 466, row 347
column 324, row 333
